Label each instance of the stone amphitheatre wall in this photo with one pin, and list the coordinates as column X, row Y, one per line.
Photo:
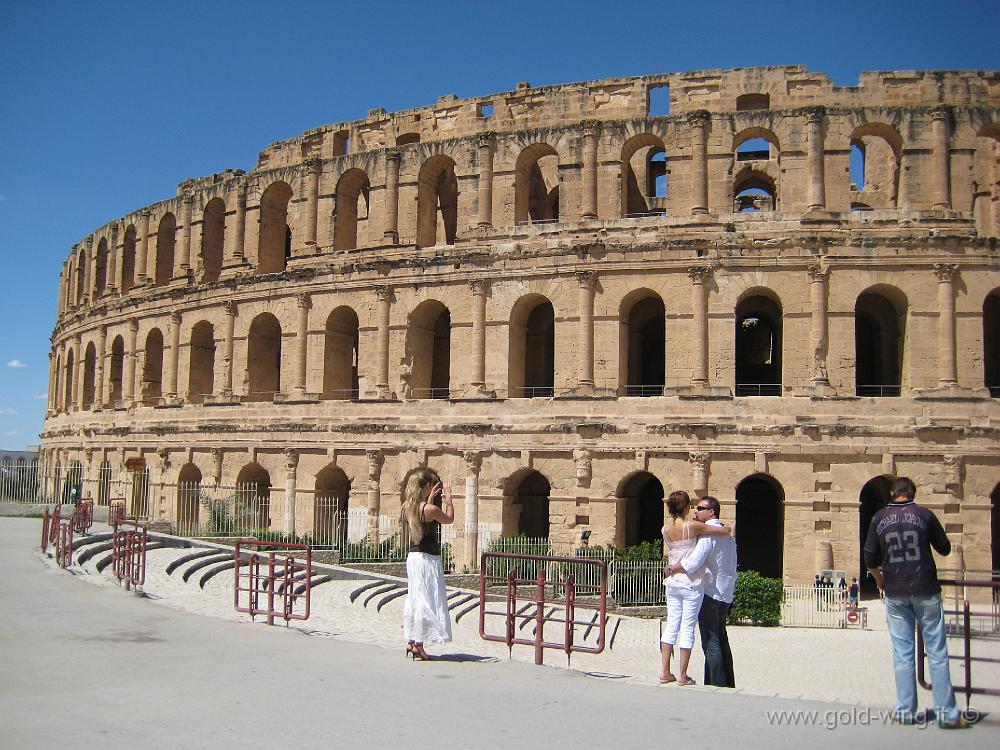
column 579, row 282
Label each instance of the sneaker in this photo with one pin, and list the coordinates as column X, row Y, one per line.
column 960, row 723
column 903, row 718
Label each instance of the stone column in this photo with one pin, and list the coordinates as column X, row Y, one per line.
column 102, row 341
column 173, row 360
column 303, row 304
column 312, row 203
column 945, row 273
column 699, row 325
column 217, row 457
column 818, row 333
column 236, row 236
column 143, row 249
column 473, row 463
column 291, row 467
column 187, row 264
column 375, row 460
column 478, row 381
column 941, row 178
column 384, row 294
column 391, row 233
column 228, row 345
column 589, row 197
column 89, row 273
column 128, row 387
column 78, row 377
column 51, row 406
column 814, row 147
column 159, row 481
column 114, row 261
column 585, row 331
column 486, row 180
column 699, row 472
column 698, row 121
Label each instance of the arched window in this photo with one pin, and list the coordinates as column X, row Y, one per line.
column 536, row 184
column 531, row 359
column 405, row 139
column 639, row 517
column 188, row 499
column 213, row 239
column 874, row 496
column 641, row 351
column 351, row 210
column 101, row 268
column 253, row 498
column 57, row 385
column 991, row 342
column 274, row 239
column 526, row 508
column 437, row 202
column 89, row 370
column 760, row 503
column 165, row 241
column 340, row 356
column 138, row 494
column 879, row 327
column 81, row 278
column 104, row 483
column 152, row 368
column 117, row 369
column 68, row 381
column 756, row 170
column 644, row 175
column 758, row 346
column 128, row 259
column 264, row 358
column 201, row 375
column 333, row 488
column 428, row 351
column 874, row 166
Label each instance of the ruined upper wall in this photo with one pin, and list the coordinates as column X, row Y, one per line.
column 716, row 90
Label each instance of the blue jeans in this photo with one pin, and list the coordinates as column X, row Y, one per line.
column 715, row 643
column 902, row 615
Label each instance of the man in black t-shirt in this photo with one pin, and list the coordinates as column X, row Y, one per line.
column 898, row 555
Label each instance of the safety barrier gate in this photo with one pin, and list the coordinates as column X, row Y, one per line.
column 533, row 605
column 50, row 527
column 116, row 513
column 84, row 516
column 965, row 630
column 263, row 573
column 128, row 557
column 64, row 544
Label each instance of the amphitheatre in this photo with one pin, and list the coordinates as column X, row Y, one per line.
column 567, row 300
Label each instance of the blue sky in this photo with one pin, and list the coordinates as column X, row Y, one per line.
column 107, row 106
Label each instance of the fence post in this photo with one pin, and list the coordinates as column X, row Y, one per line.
column 539, row 614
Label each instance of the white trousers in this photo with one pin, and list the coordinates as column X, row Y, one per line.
column 683, row 605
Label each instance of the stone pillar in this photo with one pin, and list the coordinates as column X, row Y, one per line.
column 217, row 456
column 228, row 345
column 945, row 273
column 50, row 406
column 699, row 325
column 478, row 381
column 187, row 262
column 589, row 197
column 391, row 233
column 585, row 331
column 173, row 359
column 236, row 236
column 312, row 203
column 823, row 559
column 291, row 467
column 473, row 463
column 384, row 294
column 486, row 180
column 699, row 472
column 114, row 262
column 159, row 481
column 89, row 273
column 303, row 304
column 143, row 249
column 698, row 121
column 102, row 341
column 78, row 377
column 818, row 333
column 128, row 387
column 814, row 149
column 375, row 460
column 941, row 178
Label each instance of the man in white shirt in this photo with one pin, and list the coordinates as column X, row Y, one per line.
column 719, row 554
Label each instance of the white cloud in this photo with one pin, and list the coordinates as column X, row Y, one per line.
column 40, row 397
column 8, row 411
column 16, row 364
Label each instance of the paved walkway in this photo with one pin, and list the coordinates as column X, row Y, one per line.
column 93, row 651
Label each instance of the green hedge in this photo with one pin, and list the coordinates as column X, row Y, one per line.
column 757, row 600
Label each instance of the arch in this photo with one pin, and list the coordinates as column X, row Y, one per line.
column 188, row 498
column 101, row 268
column 81, row 277
column 253, row 497
column 128, row 259
column 526, row 506
column 644, row 174
column 274, row 235
column 152, row 368
column 640, row 514
column 333, row 489
column 995, row 527
column 760, row 501
column 437, row 201
column 351, row 208
column 428, row 350
column 139, row 492
column 117, row 370
column 57, row 386
column 166, row 235
column 536, row 184
column 879, row 334
column 405, row 139
column 874, row 496
column 89, row 370
column 876, row 149
column 201, row 370
column 642, row 332
column 754, row 191
column 213, row 239
column 758, row 344
column 68, row 380
column 340, row 354
column 531, row 357
column 104, row 483
column 264, row 358
column 73, row 488
column 991, row 343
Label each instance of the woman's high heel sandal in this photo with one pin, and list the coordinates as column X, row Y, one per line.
column 417, row 652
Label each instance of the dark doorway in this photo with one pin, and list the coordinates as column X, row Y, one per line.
column 642, row 517
column 874, row 497
column 533, row 497
column 760, row 525
column 995, row 526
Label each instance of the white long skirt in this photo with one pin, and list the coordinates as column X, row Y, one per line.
column 425, row 615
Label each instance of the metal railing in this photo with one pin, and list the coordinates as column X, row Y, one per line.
column 532, row 391
column 878, row 391
column 643, row 390
column 758, row 389
column 271, row 571
column 430, row 393
column 128, row 556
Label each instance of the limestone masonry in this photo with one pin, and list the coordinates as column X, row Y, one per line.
column 568, row 299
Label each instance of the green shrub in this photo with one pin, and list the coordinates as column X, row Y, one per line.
column 757, row 600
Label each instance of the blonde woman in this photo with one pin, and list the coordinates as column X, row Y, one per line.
column 425, row 614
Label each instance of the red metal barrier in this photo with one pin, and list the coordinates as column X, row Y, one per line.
column 264, row 572
column 54, row 523
column 45, row 530
column 536, row 603
column 128, row 558
column 116, row 513
column 84, row 516
column 64, row 545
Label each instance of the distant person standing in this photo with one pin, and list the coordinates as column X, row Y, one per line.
column 898, row 554
column 852, row 592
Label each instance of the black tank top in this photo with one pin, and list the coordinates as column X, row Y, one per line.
column 430, row 542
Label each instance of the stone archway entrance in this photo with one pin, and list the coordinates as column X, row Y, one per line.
column 640, row 518
column 874, row 496
column 760, row 503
